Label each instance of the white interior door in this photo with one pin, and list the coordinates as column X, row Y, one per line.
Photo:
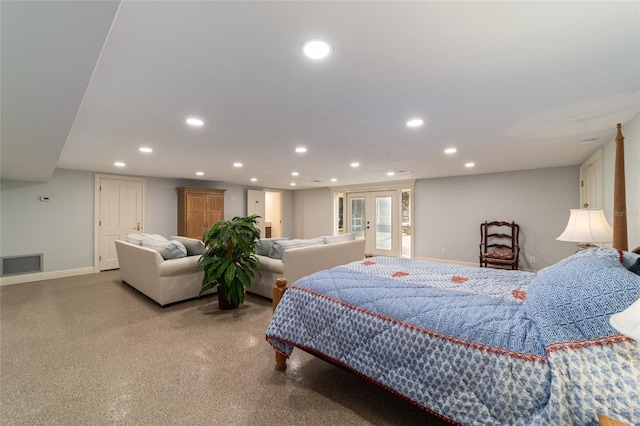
column 374, row 216
column 121, row 207
column 591, row 183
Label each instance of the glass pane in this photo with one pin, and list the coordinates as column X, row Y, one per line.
column 406, row 223
column 340, row 214
column 383, row 223
column 357, row 217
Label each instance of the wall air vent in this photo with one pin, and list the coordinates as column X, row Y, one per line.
column 16, row 265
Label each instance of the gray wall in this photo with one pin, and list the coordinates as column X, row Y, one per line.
column 449, row 212
column 312, row 210
column 63, row 229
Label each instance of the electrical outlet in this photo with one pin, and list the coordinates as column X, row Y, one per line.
column 532, row 259
column 444, row 250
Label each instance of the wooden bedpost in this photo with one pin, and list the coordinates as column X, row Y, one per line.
column 278, row 292
column 619, row 196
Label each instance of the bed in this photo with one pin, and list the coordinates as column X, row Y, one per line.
column 477, row 346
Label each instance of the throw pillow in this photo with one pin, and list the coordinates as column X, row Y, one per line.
column 263, row 247
column 635, row 268
column 136, row 238
column 168, row 249
column 278, row 248
column 194, row 247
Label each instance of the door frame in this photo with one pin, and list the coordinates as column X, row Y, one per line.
column 593, row 162
column 97, row 209
column 397, row 186
column 370, row 220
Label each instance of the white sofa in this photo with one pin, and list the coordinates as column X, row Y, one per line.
column 165, row 281
column 300, row 262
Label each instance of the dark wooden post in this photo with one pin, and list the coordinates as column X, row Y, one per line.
column 619, row 196
column 278, row 292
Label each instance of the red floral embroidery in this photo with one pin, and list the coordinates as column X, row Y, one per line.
column 459, row 280
column 368, row 262
column 399, row 274
column 519, row 294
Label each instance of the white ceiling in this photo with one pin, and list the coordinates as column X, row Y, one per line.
column 511, row 85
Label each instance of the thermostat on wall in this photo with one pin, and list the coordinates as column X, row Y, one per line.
column 45, row 198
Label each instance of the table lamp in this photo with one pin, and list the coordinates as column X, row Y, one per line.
column 627, row 322
column 587, row 226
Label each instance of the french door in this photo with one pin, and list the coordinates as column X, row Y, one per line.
column 374, row 216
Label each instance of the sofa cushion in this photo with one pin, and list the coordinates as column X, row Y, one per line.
column 279, row 247
column 263, row 247
column 136, row 238
column 270, row 265
column 339, row 238
column 194, row 246
column 168, row 249
column 182, row 266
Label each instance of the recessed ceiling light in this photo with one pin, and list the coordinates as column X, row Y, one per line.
column 145, row 149
column 254, row 179
column 194, row 121
column 295, row 174
column 119, row 164
column 391, row 173
column 301, row 149
column 470, row 164
column 237, row 164
column 200, row 173
column 355, row 164
column 316, row 49
column 292, row 184
column 450, row 151
column 415, row 122
column 334, row 180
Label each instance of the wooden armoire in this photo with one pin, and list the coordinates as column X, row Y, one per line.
column 198, row 210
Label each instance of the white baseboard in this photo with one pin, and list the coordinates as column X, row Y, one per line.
column 40, row 276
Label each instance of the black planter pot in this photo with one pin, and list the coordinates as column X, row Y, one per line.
column 223, row 302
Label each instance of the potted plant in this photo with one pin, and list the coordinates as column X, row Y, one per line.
column 229, row 261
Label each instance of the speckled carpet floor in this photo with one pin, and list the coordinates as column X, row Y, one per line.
column 90, row 350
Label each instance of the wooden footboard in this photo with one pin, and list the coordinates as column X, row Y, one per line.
column 278, row 292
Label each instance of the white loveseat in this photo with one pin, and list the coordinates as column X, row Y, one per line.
column 300, row 262
column 165, row 281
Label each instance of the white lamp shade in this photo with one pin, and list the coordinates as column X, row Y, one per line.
column 627, row 322
column 587, row 226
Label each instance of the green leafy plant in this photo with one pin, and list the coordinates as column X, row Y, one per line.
column 230, row 262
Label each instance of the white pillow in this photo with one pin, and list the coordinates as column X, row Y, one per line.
column 279, row 247
column 193, row 246
column 168, row 249
column 263, row 246
column 136, row 238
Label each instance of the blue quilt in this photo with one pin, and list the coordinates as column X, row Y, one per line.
column 477, row 345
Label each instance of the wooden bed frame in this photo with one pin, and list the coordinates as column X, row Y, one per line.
column 619, row 231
